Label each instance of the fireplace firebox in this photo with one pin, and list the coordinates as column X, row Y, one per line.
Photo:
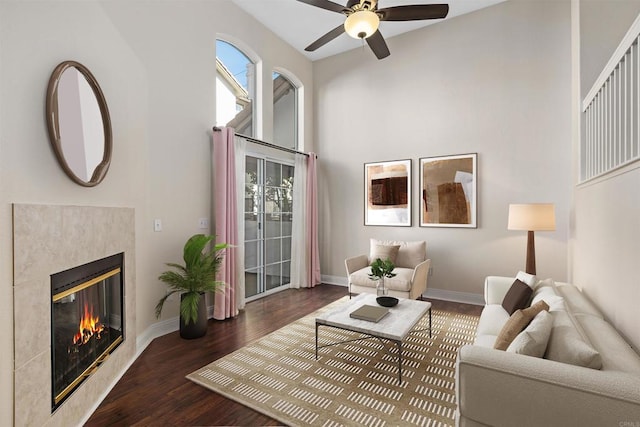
column 87, row 322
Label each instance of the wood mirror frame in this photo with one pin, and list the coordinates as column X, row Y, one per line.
column 73, row 148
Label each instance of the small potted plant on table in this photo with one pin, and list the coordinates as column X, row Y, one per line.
column 192, row 280
column 379, row 270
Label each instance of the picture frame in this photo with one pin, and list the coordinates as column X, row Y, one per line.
column 387, row 193
column 449, row 191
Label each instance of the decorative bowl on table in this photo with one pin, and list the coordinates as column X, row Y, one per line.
column 387, row 301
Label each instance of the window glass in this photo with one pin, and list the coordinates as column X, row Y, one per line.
column 285, row 112
column 268, row 225
column 235, row 89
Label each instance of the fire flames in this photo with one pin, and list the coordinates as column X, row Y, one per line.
column 89, row 326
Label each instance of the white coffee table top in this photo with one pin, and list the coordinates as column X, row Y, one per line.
column 394, row 326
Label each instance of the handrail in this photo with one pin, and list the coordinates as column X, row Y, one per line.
column 610, row 137
column 628, row 41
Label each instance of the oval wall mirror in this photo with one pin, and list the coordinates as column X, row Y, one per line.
column 79, row 124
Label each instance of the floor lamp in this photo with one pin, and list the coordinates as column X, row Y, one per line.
column 532, row 217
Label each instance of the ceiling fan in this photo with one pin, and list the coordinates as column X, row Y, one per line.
column 363, row 18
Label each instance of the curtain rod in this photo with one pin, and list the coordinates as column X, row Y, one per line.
column 266, row 144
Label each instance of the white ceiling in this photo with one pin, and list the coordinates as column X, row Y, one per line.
column 300, row 24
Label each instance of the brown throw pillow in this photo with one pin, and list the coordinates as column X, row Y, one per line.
column 385, row 253
column 517, row 297
column 536, row 308
column 516, row 324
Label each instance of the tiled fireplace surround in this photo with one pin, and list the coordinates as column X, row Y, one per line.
column 48, row 239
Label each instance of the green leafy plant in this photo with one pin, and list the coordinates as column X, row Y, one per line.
column 380, row 269
column 197, row 275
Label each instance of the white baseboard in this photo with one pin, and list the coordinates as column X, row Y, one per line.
column 454, row 296
column 161, row 328
column 154, row 331
column 334, row 280
column 443, row 294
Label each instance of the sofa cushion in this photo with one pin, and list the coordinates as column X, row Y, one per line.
column 548, row 295
column 400, row 282
column 492, row 320
column 410, row 254
column 577, row 302
column 485, row 340
column 384, row 252
column 516, row 323
column 614, row 351
column 542, row 283
column 566, row 344
column 517, row 297
column 532, row 341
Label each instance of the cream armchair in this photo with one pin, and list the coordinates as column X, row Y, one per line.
column 412, row 268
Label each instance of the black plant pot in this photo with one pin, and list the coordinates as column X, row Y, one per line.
column 199, row 328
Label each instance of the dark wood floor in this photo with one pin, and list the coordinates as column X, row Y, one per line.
column 155, row 392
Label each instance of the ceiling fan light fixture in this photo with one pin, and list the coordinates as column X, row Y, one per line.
column 361, row 24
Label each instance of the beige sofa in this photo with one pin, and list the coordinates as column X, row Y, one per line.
column 412, row 269
column 502, row 388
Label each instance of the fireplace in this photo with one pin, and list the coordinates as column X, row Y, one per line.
column 87, row 322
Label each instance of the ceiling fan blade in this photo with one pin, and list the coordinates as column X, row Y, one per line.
column 326, row 38
column 378, row 45
column 326, row 4
column 416, row 12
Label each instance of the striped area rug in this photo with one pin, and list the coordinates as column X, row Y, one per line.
column 349, row 384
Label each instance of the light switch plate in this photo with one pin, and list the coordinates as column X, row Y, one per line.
column 203, row 223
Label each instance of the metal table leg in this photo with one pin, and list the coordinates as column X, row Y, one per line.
column 399, row 344
column 317, row 325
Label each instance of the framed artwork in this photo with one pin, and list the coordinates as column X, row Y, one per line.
column 448, row 191
column 387, row 193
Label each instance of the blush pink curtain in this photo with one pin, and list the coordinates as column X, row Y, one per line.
column 225, row 216
column 312, row 221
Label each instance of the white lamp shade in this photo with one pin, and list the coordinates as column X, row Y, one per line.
column 361, row 24
column 532, row 217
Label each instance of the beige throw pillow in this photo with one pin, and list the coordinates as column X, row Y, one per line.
column 516, row 323
column 410, row 254
column 533, row 340
column 385, row 252
column 567, row 345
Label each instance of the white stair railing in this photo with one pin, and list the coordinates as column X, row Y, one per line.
column 611, row 112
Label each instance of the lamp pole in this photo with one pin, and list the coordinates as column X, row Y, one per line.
column 531, row 253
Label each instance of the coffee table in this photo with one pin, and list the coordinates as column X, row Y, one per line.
column 394, row 327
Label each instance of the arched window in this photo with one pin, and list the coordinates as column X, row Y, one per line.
column 235, row 89
column 285, row 111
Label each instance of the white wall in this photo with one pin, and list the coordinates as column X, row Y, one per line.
column 496, row 82
column 156, row 64
column 606, row 230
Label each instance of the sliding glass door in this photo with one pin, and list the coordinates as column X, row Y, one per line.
column 267, row 224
